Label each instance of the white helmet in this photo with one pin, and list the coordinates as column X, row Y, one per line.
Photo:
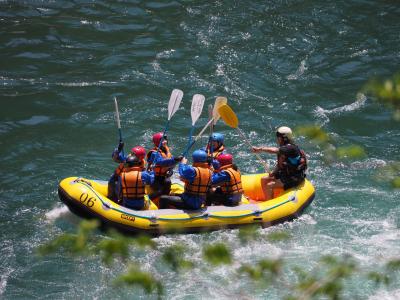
column 285, row 132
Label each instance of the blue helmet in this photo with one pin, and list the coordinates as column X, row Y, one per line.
column 199, row 156
column 217, row 137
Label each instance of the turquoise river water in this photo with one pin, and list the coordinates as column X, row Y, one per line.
column 278, row 62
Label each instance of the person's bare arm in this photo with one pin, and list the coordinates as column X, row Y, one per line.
column 272, row 150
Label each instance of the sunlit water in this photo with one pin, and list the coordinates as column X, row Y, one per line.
column 285, row 62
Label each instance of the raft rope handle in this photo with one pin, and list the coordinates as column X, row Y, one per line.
column 152, row 218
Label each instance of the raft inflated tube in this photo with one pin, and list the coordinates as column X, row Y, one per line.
column 87, row 198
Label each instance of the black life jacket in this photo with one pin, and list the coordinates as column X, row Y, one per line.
column 292, row 161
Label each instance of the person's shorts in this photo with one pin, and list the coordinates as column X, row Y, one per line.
column 291, row 182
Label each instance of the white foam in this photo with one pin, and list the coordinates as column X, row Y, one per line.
column 84, row 83
column 299, row 71
column 360, row 102
column 386, row 295
column 3, row 279
column 322, row 113
column 165, row 54
column 56, row 212
column 359, row 53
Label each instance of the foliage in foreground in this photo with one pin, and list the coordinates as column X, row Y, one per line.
column 326, row 279
column 331, row 152
column 386, row 91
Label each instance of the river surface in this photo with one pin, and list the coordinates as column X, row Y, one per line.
column 278, row 62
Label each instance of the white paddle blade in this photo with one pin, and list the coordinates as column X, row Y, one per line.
column 197, row 107
column 218, row 103
column 117, row 113
column 174, row 102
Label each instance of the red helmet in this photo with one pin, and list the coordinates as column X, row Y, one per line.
column 157, row 138
column 139, row 152
column 225, row 159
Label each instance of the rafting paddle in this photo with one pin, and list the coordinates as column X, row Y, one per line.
column 173, row 105
column 195, row 112
column 210, row 116
column 118, row 122
column 215, row 117
column 230, row 119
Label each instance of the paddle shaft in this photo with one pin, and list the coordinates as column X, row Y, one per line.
column 251, row 146
column 190, row 143
column 118, row 122
column 200, row 133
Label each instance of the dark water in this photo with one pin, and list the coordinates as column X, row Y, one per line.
column 280, row 62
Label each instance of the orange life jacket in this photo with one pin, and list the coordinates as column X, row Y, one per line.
column 234, row 186
column 121, row 166
column 160, row 170
column 202, row 181
column 216, row 152
column 132, row 184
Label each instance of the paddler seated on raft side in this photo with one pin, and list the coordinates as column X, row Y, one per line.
column 132, row 181
column 161, row 161
column 119, row 157
column 291, row 163
column 197, row 179
column 227, row 179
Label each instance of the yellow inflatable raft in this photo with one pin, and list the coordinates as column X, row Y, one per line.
column 87, row 198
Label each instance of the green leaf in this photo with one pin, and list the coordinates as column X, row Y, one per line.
column 350, row 152
column 248, row 233
column 396, row 182
column 136, row 277
column 314, row 133
column 278, row 236
column 386, row 91
column 378, row 278
column 217, row 254
column 72, row 243
column 145, row 241
column 393, row 264
column 115, row 246
column 174, row 257
column 266, row 269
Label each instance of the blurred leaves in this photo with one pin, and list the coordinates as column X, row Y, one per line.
column 278, row 236
column 386, row 91
column 331, row 153
column 174, row 257
column 393, row 265
column 266, row 270
column 135, row 276
column 389, row 173
column 314, row 133
column 115, row 246
column 350, row 152
column 387, row 276
column 327, row 279
column 72, row 243
column 217, row 254
column 145, row 241
column 248, row 233
column 378, row 278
